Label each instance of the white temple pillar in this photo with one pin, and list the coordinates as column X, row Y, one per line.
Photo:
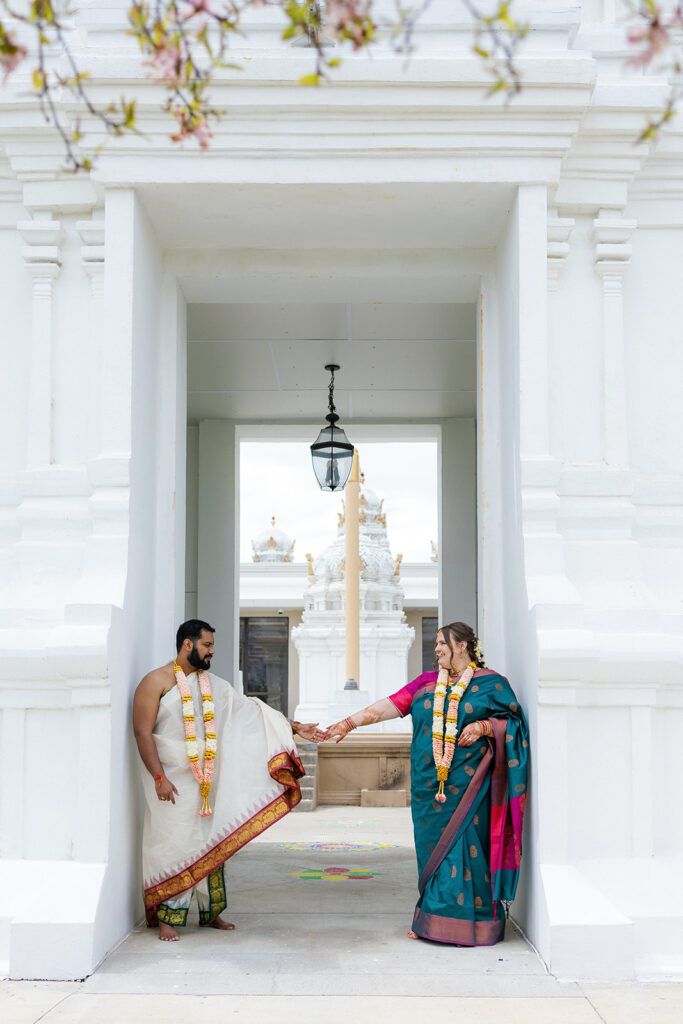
column 218, row 542
column 613, row 251
column 91, row 233
column 458, row 522
column 43, row 260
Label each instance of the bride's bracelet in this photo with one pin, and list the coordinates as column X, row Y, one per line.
column 486, row 728
column 350, row 725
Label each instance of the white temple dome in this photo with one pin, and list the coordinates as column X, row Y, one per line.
column 273, row 545
column 380, row 571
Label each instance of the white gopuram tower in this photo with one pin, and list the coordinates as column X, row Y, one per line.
column 385, row 638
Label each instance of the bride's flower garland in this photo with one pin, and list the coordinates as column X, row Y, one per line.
column 443, row 751
column 203, row 777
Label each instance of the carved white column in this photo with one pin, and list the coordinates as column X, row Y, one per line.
column 558, row 231
column 92, row 256
column 611, row 235
column 43, row 259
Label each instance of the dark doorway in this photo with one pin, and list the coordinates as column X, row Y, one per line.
column 264, row 655
column 429, row 627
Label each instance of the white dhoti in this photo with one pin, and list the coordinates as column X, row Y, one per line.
column 255, row 783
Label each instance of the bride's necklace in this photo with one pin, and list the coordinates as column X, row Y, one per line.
column 444, row 747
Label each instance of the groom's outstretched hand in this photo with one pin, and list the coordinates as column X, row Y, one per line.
column 308, row 731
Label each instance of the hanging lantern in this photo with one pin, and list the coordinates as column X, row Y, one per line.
column 331, row 452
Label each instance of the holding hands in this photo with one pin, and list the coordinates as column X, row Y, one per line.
column 308, row 731
column 469, row 735
column 380, row 711
column 311, row 732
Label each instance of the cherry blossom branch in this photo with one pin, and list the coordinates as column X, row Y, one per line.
column 46, row 81
column 185, row 44
column 655, row 37
column 497, row 38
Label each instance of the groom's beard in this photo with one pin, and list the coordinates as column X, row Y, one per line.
column 198, row 662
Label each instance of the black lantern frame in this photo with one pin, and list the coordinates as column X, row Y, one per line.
column 331, row 452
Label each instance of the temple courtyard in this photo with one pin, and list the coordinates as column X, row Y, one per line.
column 322, row 904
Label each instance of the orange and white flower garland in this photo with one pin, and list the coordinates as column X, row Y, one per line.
column 203, row 777
column 445, row 748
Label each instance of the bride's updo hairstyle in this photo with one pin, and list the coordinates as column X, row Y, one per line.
column 455, row 632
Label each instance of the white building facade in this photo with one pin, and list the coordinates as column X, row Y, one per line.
column 513, row 277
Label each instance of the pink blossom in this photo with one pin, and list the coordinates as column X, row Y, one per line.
column 11, row 55
column 188, row 127
column 198, row 7
column 346, row 19
column 166, row 63
column 203, row 134
column 654, row 39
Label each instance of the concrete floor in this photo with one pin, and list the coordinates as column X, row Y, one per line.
column 314, row 945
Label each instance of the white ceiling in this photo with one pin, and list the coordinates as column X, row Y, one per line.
column 266, row 362
column 371, row 216
column 281, row 279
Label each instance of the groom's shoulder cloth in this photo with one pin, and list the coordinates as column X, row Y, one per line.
column 218, row 683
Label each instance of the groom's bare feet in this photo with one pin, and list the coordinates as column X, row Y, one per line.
column 218, row 922
column 167, row 933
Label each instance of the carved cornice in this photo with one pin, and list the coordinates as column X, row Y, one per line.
column 611, row 235
column 559, row 229
column 41, row 244
column 92, row 253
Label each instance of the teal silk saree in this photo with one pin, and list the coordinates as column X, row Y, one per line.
column 468, row 849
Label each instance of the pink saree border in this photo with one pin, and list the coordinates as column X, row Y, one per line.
column 457, row 931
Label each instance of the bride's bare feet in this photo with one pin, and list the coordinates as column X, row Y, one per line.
column 218, row 922
column 412, row 935
column 167, row 933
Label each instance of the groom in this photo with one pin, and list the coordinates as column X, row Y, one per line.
column 254, row 783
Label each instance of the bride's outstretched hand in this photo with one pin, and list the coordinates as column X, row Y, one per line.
column 337, row 731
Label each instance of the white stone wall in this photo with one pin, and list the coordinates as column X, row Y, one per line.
column 579, row 425
column 84, row 611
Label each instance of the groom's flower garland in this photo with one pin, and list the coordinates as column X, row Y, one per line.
column 203, row 777
column 443, row 751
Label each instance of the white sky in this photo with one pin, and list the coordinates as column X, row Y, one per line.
column 277, row 480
